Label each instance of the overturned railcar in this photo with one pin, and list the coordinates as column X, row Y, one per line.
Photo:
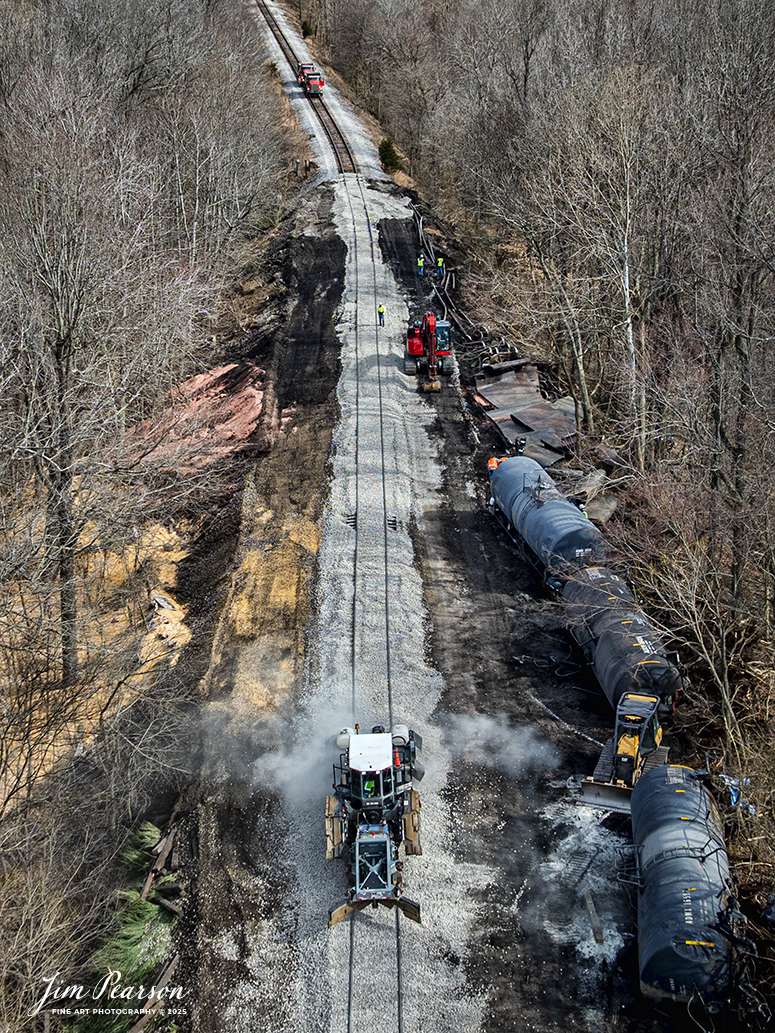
column 556, row 531
column 618, row 640
column 690, row 938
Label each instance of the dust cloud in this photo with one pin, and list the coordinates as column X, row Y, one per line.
column 491, row 742
column 302, row 767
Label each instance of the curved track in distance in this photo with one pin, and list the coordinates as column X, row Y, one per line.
column 344, row 158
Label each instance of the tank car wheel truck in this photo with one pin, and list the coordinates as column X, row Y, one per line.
column 373, row 810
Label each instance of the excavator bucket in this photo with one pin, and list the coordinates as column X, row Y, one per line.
column 431, row 385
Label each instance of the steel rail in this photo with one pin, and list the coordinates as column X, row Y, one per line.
column 336, row 139
column 344, row 156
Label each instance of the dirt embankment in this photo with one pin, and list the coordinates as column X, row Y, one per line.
column 258, row 650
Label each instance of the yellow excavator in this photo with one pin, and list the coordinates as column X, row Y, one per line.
column 635, row 748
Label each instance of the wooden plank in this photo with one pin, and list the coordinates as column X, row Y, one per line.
column 597, row 928
column 169, row 906
column 159, row 846
column 146, row 1017
column 161, row 860
column 164, row 846
column 147, row 885
column 153, row 1004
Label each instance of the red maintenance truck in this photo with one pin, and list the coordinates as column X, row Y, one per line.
column 310, row 80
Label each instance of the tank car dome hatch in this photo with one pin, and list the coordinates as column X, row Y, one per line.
column 684, row 950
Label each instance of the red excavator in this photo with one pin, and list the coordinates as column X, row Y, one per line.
column 428, row 351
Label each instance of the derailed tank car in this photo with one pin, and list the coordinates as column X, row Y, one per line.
column 373, row 811
column 557, row 532
column 618, row 640
column 690, row 938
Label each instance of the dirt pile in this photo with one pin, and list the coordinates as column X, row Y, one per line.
column 211, row 416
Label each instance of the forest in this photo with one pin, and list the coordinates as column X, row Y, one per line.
column 141, row 150
column 610, row 165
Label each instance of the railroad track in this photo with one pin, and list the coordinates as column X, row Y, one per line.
column 344, row 158
column 375, row 991
column 371, row 617
column 345, row 161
